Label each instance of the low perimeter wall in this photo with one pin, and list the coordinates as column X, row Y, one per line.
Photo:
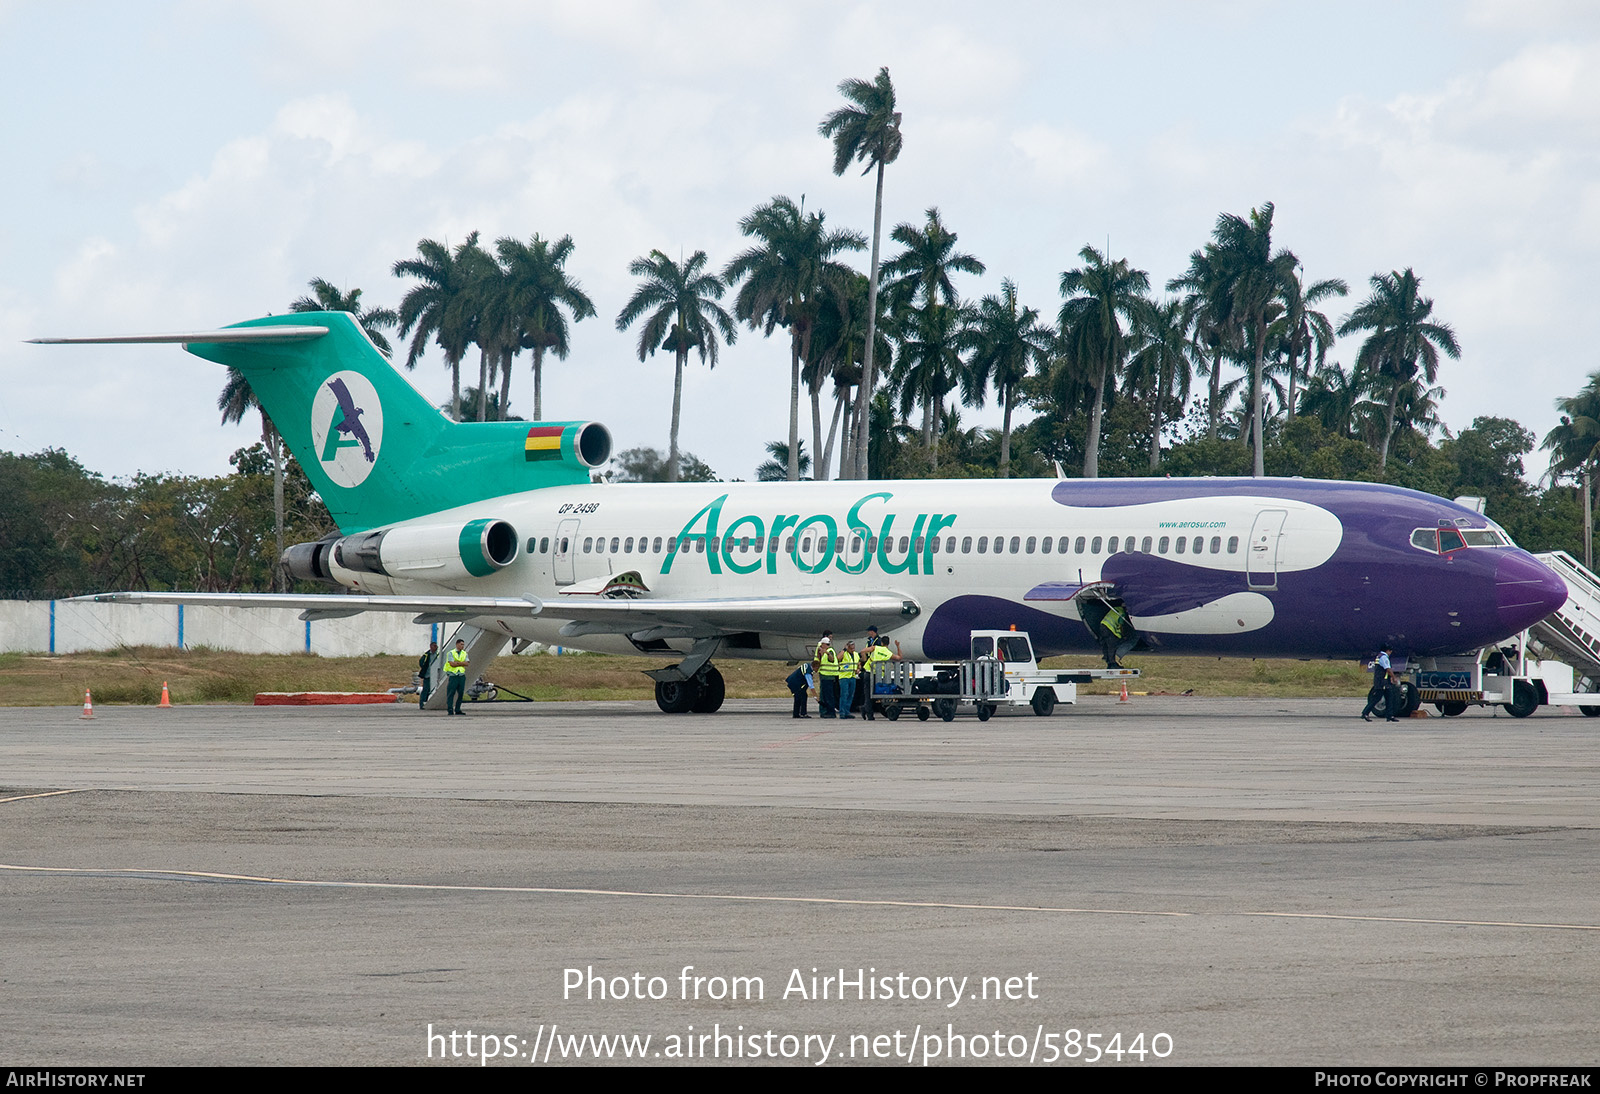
column 60, row 626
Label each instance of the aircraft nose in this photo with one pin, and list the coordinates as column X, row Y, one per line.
column 1526, row 590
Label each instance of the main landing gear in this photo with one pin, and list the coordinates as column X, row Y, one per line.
column 702, row 693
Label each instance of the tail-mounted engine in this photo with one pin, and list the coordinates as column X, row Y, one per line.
column 429, row 552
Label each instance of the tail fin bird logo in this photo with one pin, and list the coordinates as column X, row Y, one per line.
column 347, row 427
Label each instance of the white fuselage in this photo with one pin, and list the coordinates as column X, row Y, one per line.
column 925, row 541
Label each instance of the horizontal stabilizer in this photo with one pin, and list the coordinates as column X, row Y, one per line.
column 257, row 335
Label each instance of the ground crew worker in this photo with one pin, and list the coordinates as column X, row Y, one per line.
column 1383, row 688
column 849, row 668
column 455, row 675
column 827, row 676
column 877, row 654
column 425, row 670
column 1113, row 629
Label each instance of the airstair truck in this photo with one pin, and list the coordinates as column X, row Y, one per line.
column 1556, row 662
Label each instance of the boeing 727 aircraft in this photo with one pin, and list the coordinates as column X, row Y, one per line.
column 497, row 526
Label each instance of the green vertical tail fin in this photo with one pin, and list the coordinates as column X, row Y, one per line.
column 372, row 446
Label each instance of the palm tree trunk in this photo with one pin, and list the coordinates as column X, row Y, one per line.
column 868, row 378
column 1388, row 432
column 274, row 443
column 1588, row 524
column 505, row 383
column 1294, row 375
column 538, row 383
column 1255, row 399
column 483, row 384
column 677, row 401
column 819, row 474
column 455, row 388
column 1005, row 437
column 1155, row 421
column 1091, row 443
column 1216, row 394
column 794, row 408
column 833, row 431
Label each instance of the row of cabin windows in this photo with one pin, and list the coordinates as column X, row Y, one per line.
column 1016, row 545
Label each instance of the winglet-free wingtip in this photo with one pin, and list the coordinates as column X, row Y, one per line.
column 259, row 335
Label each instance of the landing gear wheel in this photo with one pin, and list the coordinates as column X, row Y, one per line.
column 985, row 711
column 1456, row 708
column 945, row 709
column 1410, row 699
column 1524, row 700
column 891, row 711
column 922, row 712
column 1044, row 701
column 676, row 696
column 711, row 691
column 1590, row 712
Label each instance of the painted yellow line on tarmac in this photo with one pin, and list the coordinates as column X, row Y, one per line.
column 204, row 875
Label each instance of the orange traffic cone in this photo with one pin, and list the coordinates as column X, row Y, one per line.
column 165, row 700
column 1124, row 698
column 88, row 705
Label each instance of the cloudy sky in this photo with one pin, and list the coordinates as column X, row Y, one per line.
column 174, row 166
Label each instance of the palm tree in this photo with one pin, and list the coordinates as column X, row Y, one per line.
column 1331, row 396
column 683, row 315
column 1306, row 330
column 919, row 286
column 868, row 130
column 1007, row 342
column 1208, row 308
column 1100, row 295
column 929, row 366
column 539, row 288
column 237, row 400
column 327, row 297
column 783, row 281
column 1163, row 359
column 1257, row 277
column 1402, row 338
column 441, row 306
column 1575, row 450
column 838, row 345
column 776, row 467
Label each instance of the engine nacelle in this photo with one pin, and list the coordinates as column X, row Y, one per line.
column 428, row 552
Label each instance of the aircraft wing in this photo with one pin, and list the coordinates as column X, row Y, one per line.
column 644, row 618
column 432, row 609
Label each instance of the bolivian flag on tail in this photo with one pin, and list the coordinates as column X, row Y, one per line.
column 544, row 442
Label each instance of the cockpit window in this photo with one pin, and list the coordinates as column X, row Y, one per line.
column 1445, row 540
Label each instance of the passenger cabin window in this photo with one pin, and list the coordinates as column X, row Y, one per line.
column 1094, row 546
column 1161, row 548
column 656, row 545
column 588, row 544
column 966, row 545
column 1111, row 546
column 1216, row 545
column 1233, row 545
column 983, row 545
column 1145, row 546
column 1061, row 548
column 1016, row 545
column 1044, row 544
